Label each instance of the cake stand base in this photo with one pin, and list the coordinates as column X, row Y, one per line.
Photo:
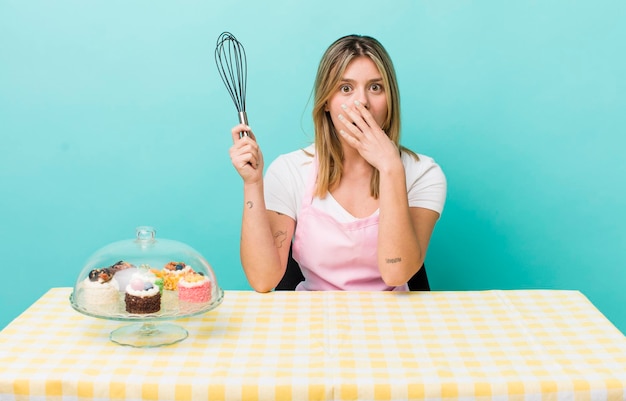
column 146, row 335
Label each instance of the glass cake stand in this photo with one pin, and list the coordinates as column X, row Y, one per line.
column 117, row 268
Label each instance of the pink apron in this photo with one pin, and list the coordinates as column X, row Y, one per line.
column 334, row 255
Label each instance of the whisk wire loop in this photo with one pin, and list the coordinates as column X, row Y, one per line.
column 230, row 58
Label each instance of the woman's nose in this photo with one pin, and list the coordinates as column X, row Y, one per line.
column 362, row 98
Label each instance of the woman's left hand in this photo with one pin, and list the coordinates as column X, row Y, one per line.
column 366, row 136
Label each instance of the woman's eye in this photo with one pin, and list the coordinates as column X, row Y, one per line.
column 376, row 87
column 344, row 88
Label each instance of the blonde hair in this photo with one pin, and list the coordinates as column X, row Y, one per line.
column 329, row 73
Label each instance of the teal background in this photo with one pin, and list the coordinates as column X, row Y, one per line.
column 112, row 115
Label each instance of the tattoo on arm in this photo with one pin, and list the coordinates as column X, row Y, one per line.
column 393, row 260
column 279, row 238
column 250, row 204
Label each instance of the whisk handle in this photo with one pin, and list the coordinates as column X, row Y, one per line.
column 243, row 119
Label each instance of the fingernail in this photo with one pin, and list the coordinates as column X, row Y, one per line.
column 341, row 116
column 342, row 132
column 357, row 102
column 343, row 106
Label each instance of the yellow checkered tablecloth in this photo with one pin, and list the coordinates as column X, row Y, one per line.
column 487, row 345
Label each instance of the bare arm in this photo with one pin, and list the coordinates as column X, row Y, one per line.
column 404, row 232
column 265, row 235
column 265, row 241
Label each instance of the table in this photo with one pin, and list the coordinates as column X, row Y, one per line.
column 481, row 345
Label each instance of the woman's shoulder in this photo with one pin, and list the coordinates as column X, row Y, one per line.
column 303, row 154
column 285, row 181
column 425, row 181
column 295, row 159
column 420, row 167
column 415, row 160
column 295, row 163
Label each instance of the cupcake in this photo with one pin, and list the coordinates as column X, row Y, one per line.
column 172, row 272
column 194, row 287
column 99, row 292
column 142, row 296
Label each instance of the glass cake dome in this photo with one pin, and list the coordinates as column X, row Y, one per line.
column 146, row 280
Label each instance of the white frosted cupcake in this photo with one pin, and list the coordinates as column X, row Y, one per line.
column 99, row 296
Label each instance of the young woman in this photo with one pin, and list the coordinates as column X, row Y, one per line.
column 359, row 207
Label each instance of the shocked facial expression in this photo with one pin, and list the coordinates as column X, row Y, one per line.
column 361, row 82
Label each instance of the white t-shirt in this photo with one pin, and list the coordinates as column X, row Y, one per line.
column 286, row 177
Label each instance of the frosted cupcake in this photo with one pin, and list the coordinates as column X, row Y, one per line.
column 142, row 296
column 194, row 287
column 172, row 273
column 99, row 292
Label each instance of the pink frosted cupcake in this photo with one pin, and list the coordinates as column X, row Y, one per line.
column 194, row 287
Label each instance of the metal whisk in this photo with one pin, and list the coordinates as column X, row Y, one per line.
column 230, row 58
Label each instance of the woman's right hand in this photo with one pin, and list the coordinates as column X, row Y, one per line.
column 245, row 155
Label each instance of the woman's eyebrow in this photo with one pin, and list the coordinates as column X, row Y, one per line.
column 354, row 80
